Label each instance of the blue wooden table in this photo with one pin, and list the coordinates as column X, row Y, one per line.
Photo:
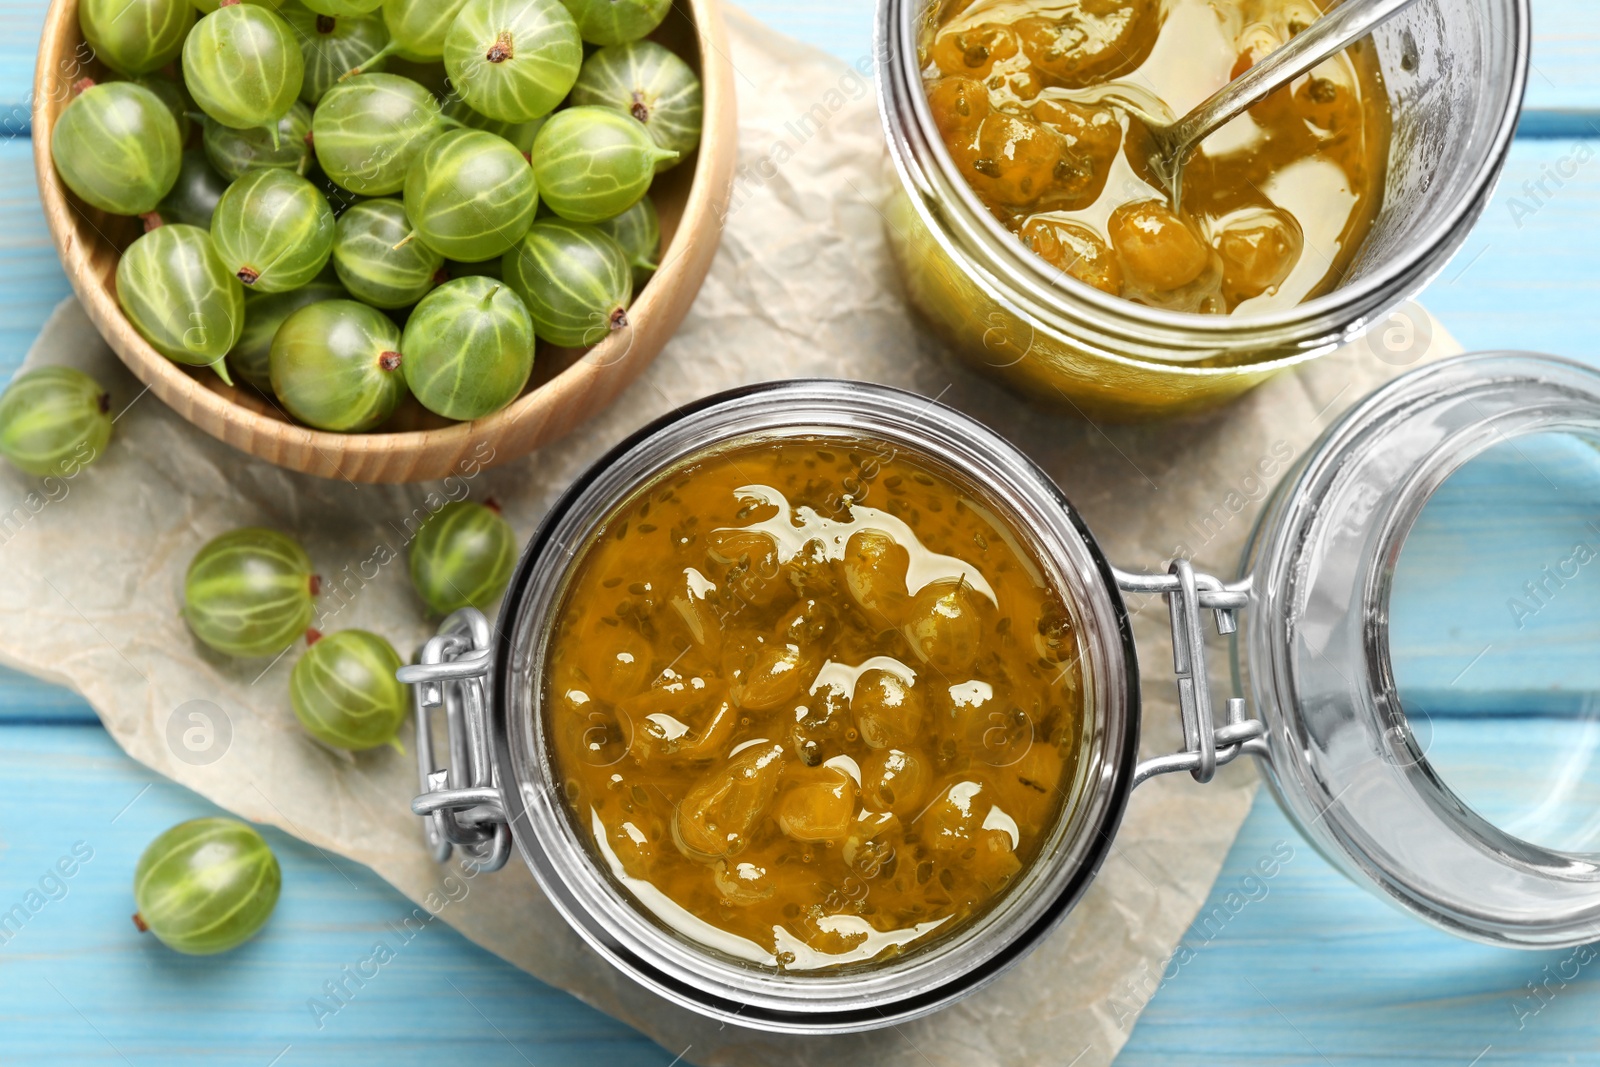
column 1312, row 970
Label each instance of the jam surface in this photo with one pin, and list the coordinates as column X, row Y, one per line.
column 1042, row 105
column 812, row 702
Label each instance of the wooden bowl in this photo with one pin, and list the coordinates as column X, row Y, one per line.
column 568, row 386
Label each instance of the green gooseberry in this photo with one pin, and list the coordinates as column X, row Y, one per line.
column 513, row 60
column 651, row 83
column 376, row 259
column 274, row 230
column 345, row 693
column 206, row 886
column 175, row 96
column 194, row 196
column 117, row 147
column 243, row 66
column 54, row 420
column 135, row 36
column 463, row 557
column 288, row 147
column 418, row 28
column 638, row 231
column 608, row 22
column 575, row 280
column 370, row 129
column 594, row 163
column 469, row 348
column 250, row 592
column 180, row 296
column 471, row 195
column 343, row 8
column 335, row 45
column 520, row 134
column 336, row 366
column 251, row 358
column 206, row 7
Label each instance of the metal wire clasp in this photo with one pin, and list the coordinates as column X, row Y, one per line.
column 460, row 805
column 1206, row 746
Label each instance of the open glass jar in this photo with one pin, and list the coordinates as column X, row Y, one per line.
column 1454, row 73
column 1314, row 692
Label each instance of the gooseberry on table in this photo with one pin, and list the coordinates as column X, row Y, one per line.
column 117, row 147
column 463, row 557
column 468, row 348
column 251, row 358
column 336, row 366
column 233, row 152
column 576, row 282
column 651, row 83
column 368, row 130
column 54, row 420
column 135, row 36
column 376, row 262
column 344, row 691
column 334, row 45
column 513, row 60
column 608, row 22
column 471, row 196
column 206, row 886
column 177, row 292
column 243, row 67
column 249, row 592
column 593, row 163
column 273, row 230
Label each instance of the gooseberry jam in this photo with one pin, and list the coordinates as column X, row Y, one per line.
column 811, row 701
column 1041, row 104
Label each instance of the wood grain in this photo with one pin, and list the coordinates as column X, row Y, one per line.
column 692, row 199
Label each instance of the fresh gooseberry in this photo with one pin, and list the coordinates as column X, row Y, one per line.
column 513, row 60
column 175, row 96
column 206, row 886
column 54, row 420
column 370, row 129
column 469, row 348
column 249, row 592
column 463, row 557
column 243, row 67
column 650, row 82
column 117, row 146
column 638, row 231
column 334, row 45
column 608, row 22
column 471, row 196
column 233, row 152
column 206, row 7
column 193, row 199
column 181, row 297
column 376, row 262
column 594, row 163
column 273, row 230
column 520, row 134
column 343, row 8
column 135, row 36
column 418, row 28
column 576, row 281
column 336, row 366
column 345, row 693
column 251, row 358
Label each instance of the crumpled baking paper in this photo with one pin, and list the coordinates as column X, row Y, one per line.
column 803, row 285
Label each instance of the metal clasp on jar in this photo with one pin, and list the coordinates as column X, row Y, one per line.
column 1206, row 746
column 460, row 804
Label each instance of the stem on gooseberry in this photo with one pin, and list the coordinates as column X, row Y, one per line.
column 502, row 49
column 82, row 85
column 492, row 504
column 327, row 23
column 249, row 275
column 619, row 319
column 640, row 110
column 381, row 54
column 152, row 221
column 313, row 635
column 105, row 403
column 316, row 585
column 139, row 923
column 389, row 361
column 412, row 236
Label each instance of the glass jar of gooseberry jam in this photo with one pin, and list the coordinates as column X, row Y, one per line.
column 1454, row 74
column 1365, row 773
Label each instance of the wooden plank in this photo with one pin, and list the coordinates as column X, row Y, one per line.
column 79, row 985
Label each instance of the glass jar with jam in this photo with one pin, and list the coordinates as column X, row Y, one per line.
column 815, row 706
column 1035, row 238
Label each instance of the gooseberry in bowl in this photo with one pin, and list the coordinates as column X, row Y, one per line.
column 468, row 348
column 332, row 46
column 471, row 196
column 367, row 131
column 181, row 297
column 651, row 83
column 513, row 60
column 264, row 315
column 196, row 193
column 117, row 146
column 593, row 163
column 375, row 260
column 343, row 7
column 54, row 421
column 576, row 281
column 418, row 28
column 336, row 366
column 606, row 22
column 233, row 152
column 638, row 231
column 135, row 36
column 250, row 592
column 273, row 230
column 344, row 691
column 206, row 886
column 243, row 67
column 463, row 557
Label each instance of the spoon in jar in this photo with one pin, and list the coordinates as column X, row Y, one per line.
column 1171, row 144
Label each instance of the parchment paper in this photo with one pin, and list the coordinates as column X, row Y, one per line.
column 802, row 286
